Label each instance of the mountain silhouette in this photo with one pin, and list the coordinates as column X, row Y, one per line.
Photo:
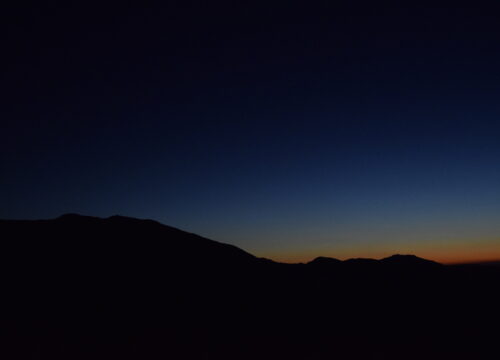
column 321, row 260
column 84, row 287
column 80, row 240
column 397, row 259
column 408, row 260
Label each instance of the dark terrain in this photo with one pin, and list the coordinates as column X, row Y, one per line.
column 80, row 287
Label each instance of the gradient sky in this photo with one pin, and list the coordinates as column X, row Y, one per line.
column 336, row 130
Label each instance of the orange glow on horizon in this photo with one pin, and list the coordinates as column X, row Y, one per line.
column 465, row 252
column 443, row 260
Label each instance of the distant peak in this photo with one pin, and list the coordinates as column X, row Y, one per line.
column 402, row 256
column 407, row 259
column 324, row 260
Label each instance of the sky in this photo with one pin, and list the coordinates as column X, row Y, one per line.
column 291, row 130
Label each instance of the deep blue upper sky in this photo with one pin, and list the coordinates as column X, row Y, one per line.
column 289, row 131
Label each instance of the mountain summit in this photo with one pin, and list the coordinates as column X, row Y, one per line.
column 408, row 260
column 74, row 242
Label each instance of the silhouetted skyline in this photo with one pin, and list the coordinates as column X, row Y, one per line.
column 343, row 130
column 80, row 287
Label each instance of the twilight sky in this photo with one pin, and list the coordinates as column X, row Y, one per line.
column 347, row 131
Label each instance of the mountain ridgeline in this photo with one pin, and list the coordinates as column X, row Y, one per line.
column 84, row 287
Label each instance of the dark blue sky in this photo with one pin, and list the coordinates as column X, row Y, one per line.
column 291, row 132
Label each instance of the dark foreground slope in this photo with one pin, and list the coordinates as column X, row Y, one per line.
column 121, row 288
